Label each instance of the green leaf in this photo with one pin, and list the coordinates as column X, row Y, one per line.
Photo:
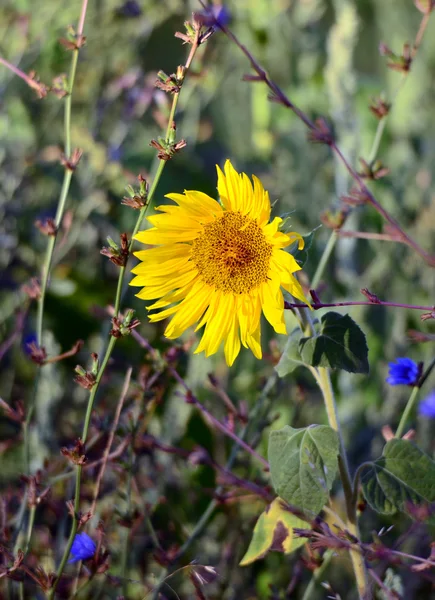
column 403, row 474
column 274, row 531
column 338, row 344
column 291, row 356
column 303, row 465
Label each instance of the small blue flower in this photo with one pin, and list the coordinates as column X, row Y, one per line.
column 215, row 15
column 83, row 547
column 29, row 339
column 403, row 372
column 426, row 408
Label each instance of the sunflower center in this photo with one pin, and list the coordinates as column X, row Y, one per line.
column 232, row 254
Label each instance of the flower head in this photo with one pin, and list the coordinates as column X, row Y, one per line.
column 83, row 547
column 214, row 15
column 218, row 265
column 426, row 408
column 403, row 372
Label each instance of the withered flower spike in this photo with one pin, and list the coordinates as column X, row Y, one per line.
column 40, row 88
column 85, row 379
column 380, row 108
column 32, row 289
column 167, row 150
column 356, row 197
column 71, row 163
column 84, row 518
column 75, row 455
column 124, row 325
column 37, row 354
column 14, row 414
column 428, row 315
column 370, row 297
column 136, row 202
column 118, row 255
column 77, row 42
column 335, row 219
column 47, row 227
column 321, row 133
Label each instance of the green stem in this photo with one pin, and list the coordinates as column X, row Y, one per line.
column 48, row 258
column 30, row 527
column 324, row 260
column 382, row 122
column 317, row 576
column 112, row 343
column 358, row 563
column 377, row 140
column 407, row 412
column 151, row 193
column 62, row 199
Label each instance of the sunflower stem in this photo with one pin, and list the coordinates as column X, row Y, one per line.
column 324, row 382
column 358, row 563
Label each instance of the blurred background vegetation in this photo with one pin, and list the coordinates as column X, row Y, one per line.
column 324, row 54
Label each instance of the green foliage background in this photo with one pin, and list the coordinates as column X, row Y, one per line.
column 324, row 54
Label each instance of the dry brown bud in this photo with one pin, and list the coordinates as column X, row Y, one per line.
column 37, row 354
column 47, row 227
column 322, row 133
column 75, row 455
column 32, row 289
column 72, row 162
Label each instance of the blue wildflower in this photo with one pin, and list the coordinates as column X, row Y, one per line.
column 28, row 340
column 426, row 408
column 83, row 547
column 403, row 372
column 215, row 15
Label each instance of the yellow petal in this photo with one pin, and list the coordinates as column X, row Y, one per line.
column 160, row 253
column 273, row 307
column 158, row 237
column 232, row 343
column 254, row 342
column 189, row 310
column 149, row 293
column 261, row 202
column 151, row 274
column 174, row 222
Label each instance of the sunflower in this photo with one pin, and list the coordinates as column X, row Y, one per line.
column 218, row 265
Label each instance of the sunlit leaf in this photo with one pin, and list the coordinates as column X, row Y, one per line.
column 274, row 531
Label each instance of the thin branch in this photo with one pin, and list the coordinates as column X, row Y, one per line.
column 326, row 138
column 367, row 235
column 192, row 399
column 111, row 437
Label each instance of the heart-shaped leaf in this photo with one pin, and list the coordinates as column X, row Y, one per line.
column 303, row 465
column 404, row 474
column 338, row 344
